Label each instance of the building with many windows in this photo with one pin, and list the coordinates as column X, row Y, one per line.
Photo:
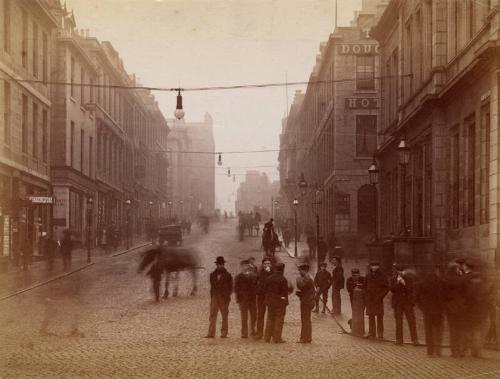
column 26, row 43
column 440, row 88
column 330, row 135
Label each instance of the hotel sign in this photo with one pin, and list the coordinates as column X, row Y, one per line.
column 361, row 103
column 358, row 49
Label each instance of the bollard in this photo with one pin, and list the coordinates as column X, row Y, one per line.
column 358, row 312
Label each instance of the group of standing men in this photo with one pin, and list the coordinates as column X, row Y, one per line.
column 259, row 292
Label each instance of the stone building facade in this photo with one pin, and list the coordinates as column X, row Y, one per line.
column 27, row 32
column 329, row 137
column 257, row 193
column 440, row 90
column 192, row 165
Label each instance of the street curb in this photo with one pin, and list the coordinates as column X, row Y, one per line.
column 46, row 282
column 130, row 250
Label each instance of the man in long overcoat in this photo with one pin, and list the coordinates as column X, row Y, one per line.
column 430, row 299
column 221, row 286
column 265, row 271
column 338, row 283
column 245, row 288
column 276, row 291
column 403, row 301
column 305, row 292
column 376, row 289
column 322, row 250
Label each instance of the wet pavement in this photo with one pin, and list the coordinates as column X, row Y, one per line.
column 102, row 322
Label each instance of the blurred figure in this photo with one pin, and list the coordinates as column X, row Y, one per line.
column 312, row 244
column 245, row 288
column 50, row 247
column 322, row 250
column 322, row 282
column 430, row 299
column 403, row 300
column 454, row 303
column 276, row 291
column 66, row 250
column 221, row 286
column 376, row 289
column 355, row 280
column 338, row 282
column 305, row 292
column 264, row 272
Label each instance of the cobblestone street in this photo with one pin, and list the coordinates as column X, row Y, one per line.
column 123, row 333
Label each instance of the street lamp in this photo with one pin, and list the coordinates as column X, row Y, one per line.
column 90, row 202
column 373, row 174
column 404, row 159
column 181, row 203
column 151, row 222
column 295, row 204
column 179, row 112
column 170, row 209
column 128, row 202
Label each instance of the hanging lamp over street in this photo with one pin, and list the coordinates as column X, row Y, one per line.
column 179, row 112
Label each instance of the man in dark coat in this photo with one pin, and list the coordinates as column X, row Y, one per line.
column 305, row 292
column 454, row 303
column 403, row 301
column 322, row 250
column 245, row 288
column 221, row 286
column 265, row 271
column 430, row 299
column 322, row 282
column 338, row 282
column 355, row 280
column 276, row 291
column 66, row 250
column 376, row 289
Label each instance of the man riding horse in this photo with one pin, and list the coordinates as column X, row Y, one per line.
column 270, row 239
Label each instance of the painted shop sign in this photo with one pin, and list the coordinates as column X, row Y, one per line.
column 358, row 49
column 361, row 103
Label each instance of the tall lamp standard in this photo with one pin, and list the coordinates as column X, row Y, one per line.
column 90, row 202
column 151, row 223
column 181, row 203
column 170, row 209
column 295, row 204
column 404, row 159
column 127, row 203
column 373, row 173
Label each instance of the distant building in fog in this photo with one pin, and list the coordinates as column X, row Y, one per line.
column 191, row 180
column 256, row 193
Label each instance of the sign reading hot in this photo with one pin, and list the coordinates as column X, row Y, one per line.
column 361, row 103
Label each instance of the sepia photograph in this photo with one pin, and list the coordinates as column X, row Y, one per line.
column 218, row 189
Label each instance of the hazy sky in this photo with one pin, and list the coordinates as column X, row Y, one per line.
column 198, row 43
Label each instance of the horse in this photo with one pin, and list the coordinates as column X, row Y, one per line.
column 270, row 241
column 169, row 260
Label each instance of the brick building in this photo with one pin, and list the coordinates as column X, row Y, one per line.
column 329, row 137
column 440, row 62
column 27, row 39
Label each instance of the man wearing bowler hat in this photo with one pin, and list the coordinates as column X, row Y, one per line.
column 376, row 289
column 221, row 286
column 305, row 292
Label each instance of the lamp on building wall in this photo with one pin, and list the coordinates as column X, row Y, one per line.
column 179, row 112
column 373, row 174
column 151, row 229
column 404, row 159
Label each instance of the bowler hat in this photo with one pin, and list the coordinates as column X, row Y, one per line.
column 374, row 263
column 399, row 267
column 460, row 261
column 304, row 267
column 220, row 260
column 355, row 271
column 267, row 259
column 323, row 264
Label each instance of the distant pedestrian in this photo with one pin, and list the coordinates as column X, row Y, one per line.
column 338, row 283
column 322, row 251
column 265, row 271
column 276, row 291
column 245, row 288
column 312, row 245
column 430, row 299
column 306, row 294
column 221, row 286
column 322, row 282
column 454, row 303
column 403, row 301
column 49, row 249
column 376, row 289
column 66, row 250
